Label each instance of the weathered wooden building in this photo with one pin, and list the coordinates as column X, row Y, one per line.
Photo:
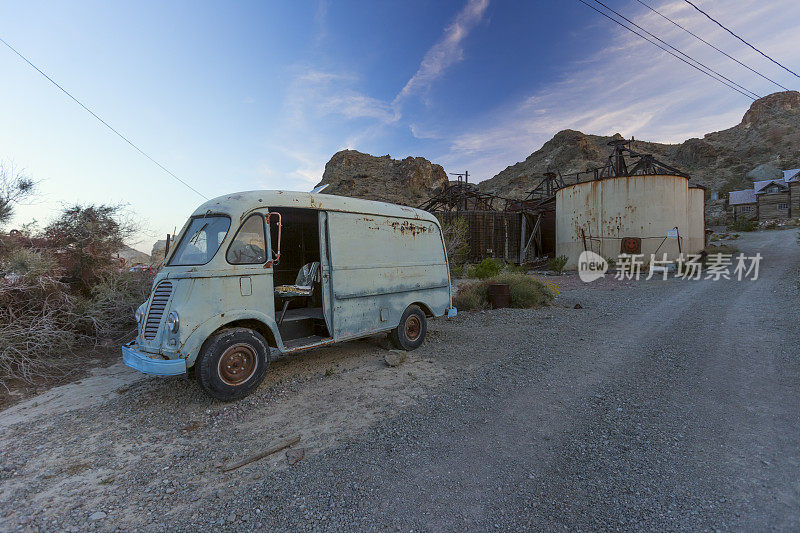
column 769, row 199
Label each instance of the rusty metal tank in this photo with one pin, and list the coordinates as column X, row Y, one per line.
column 640, row 210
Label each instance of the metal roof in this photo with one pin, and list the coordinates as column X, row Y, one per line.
column 239, row 203
column 791, row 175
column 747, row 196
column 758, row 185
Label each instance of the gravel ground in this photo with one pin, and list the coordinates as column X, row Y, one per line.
column 669, row 405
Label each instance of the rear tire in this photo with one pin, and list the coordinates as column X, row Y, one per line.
column 232, row 363
column 410, row 333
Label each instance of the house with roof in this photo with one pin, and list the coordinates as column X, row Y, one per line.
column 769, row 199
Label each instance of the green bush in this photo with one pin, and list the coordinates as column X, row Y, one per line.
column 558, row 263
column 742, row 224
column 485, row 269
column 457, row 271
column 526, row 292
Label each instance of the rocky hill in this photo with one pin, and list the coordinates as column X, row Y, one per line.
column 409, row 181
column 769, row 133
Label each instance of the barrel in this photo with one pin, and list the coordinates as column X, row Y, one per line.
column 499, row 295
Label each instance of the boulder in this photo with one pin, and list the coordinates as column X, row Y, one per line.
column 410, row 181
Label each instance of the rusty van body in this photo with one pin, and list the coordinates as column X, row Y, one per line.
column 262, row 271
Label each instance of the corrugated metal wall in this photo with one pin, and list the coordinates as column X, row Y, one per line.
column 491, row 233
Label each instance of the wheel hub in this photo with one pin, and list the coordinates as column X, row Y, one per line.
column 413, row 328
column 237, row 364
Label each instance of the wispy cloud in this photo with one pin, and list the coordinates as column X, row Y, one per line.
column 316, row 93
column 651, row 94
column 321, row 19
column 447, row 51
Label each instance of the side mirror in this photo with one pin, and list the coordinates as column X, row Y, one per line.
column 277, row 254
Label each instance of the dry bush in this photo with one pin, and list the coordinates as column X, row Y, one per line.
column 37, row 324
column 62, row 289
column 109, row 312
column 526, row 292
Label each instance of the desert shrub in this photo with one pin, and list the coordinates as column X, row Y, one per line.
column 109, row 313
column 37, row 320
column 62, row 288
column 28, row 263
column 455, row 233
column 485, row 269
column 87, row 237
column 742, row 224
column 471, row 296
column 558, row 263
column 721, row 249
column 15, row 186
column 526, row 292
column 514, row 269
column 457, row 271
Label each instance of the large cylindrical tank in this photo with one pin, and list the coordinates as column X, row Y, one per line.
column 646, row 207
column 697, row 220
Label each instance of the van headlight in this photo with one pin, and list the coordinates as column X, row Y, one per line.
column 139, row 314
column 173, row 322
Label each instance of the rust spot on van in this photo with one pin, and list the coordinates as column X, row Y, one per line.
column 406, row 227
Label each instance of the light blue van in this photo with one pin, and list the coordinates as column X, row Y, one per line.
column 288, row 271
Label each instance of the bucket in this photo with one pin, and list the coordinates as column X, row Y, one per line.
column 499, row 295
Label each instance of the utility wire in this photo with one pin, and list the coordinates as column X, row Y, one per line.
column 712, row 19
column 712, row 46
column 665, row 49
column 676, row 50
column 106, row 124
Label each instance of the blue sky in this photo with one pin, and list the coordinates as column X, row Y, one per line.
column 246, row 95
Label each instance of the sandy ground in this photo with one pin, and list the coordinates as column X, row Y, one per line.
column 664, row 405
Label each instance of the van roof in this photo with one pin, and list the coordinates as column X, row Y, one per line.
column 238, row 203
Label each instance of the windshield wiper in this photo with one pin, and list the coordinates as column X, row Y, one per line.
column 197, row 233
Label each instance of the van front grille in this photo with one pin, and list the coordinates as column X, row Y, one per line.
column 157, row 306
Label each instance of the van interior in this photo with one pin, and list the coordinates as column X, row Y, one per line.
column 297, row 277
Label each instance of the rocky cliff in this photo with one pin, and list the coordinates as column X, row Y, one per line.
column 769, row 134
column 409, row 181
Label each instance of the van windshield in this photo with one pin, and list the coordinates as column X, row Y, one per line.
column 201, row 240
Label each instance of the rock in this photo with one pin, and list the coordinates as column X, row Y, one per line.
column 410, row 181
column 158, row 252
column 578, row 306
column 232, row 517
column 133, row 257
column 765, row 172
column 395, row 358
column 97, row 515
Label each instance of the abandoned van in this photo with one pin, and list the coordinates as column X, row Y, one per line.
column 271, row 270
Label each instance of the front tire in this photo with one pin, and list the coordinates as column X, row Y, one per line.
column 410, row 333
column 232, row 363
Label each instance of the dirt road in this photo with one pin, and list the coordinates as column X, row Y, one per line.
column 659, row 405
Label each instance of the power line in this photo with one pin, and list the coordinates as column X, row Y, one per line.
column 675, row 49
column 665, row 49
column 712, row 19
column 106, row 124
column 712, row 46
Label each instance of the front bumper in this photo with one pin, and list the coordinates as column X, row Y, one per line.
column 143, row 363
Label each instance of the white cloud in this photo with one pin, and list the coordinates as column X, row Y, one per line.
column 315, row 94
column 447, row 51
column 642, row 91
